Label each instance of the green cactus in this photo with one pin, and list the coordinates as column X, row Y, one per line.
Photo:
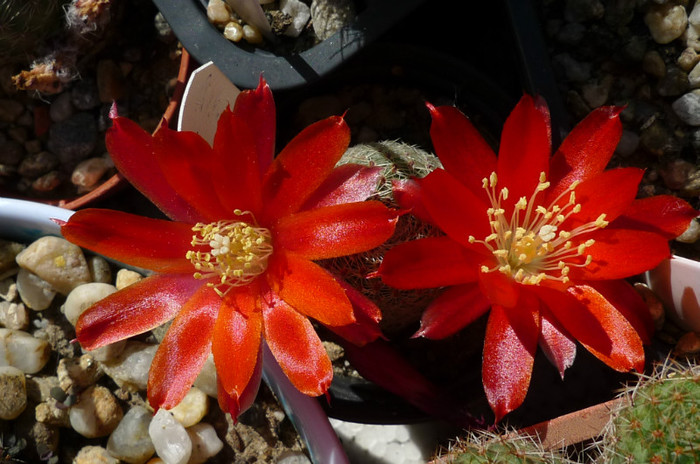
column 491, row 448
column 25, row 24
column 659, row 422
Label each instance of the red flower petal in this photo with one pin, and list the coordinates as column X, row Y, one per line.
column 526, row 143
column 408, row 195
column 137, row 308
column 664, row 214
column 236, row 341
column 184, row 350
column 610, row 193
column 461, row 149
column 620, row 253
column 186, row 161
column 463, row 215
column 498, row 287
column 234, row 404
column 509, row 353
column 597, row 325
column 587, row 149
column 303, row 165
column 346, row 184
column 234, row 169
column 556, row 343
column 625, row 299
column 454, row 309
column 257, row 107
column 429, row 263
column 296, row 347
column 131, row 239
column 337, row 230
column 131, row 150
column 365, row 329
column 309, row 289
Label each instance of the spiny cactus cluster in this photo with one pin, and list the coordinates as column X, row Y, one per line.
column 25, row 24
column 660, row 422
column 493, row 448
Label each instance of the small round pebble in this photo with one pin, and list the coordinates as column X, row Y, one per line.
column 688, row 344
column 170, row 439
column 21, row 350
column 14, row 315
column 205, row 443
column 251, row 34
column 75, row 374
column 193, row 407
column 666, row 22
column 96, row 414
column 88, row 172
column 218, row 12
column 99, row 269
column 35, row 292
column 13, row 392
column 82, row 297
column 94, row 455
column 130, row 441
column 129, row 370
column 233, row 31
column 206, row 380
column 329, row 16
column 57, row 261
column 126, row 277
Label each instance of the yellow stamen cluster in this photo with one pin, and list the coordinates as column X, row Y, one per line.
column 531, row 246
column 238, row 252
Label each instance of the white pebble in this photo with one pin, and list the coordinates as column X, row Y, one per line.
column 170, row 439
column 84, row 296
column 206, row 380
column 21, row 350
column 293, row 457
column 35, row 292
column 14, row 315
column 108, row 352
column 129, row 370
column 75, row 374
column 57, row 261
column 205, row 443
column 126, row 277
column 687, row 107
column 233, row 31
column 13, row 392
column 193, row 407
column 130, row 441
column 96, row 414
column 218, row 12
column 691, row 234
column 99, row 269
column 94, row 455
column 8, row 289
column 666, row 22
column 300, row 14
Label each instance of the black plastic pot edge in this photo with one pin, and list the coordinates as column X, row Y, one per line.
column 205, row 43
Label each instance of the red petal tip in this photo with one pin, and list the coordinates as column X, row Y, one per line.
column 60, row 222
column 113, row 113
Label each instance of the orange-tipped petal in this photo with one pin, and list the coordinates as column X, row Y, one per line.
column 587, row 149
column 453, row 207
column 309, row 289
column 131, row 239
column 428, row 263
column 453, row 310
column 303, row 165
column 461, row 149
column 338, row 230
column 345, row 184
column 132, row 152
column 296, row 347
column 509, row 353
column 184, row 350
column 186, row 160
column 597, row 325
column 257, row 107
column 137, row 308
column 232, row 403
column 525, row 149
column 237, row 338
column 664, row 214
column 620, row 253
column 235, row 172
column 365, row 329
column 556, row 343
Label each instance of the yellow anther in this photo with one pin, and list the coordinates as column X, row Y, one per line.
column 493, row 180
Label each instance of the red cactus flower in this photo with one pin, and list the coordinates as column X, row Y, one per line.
column 235, row 265
column 543, row 243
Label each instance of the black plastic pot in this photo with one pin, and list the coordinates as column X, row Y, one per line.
column 243, row 66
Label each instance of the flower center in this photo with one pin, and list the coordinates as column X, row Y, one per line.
column 238, row 252
column 532, row 246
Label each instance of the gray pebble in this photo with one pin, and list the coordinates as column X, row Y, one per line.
column 130, row 441
column 73, row 139
column 37, row 164
column 653, row 64
column 575, row 71
column 62, row 107
column 10, row 110
column 675, row 174
column 674, row 83
column 329, row 16
column 13, row 392
column 629, row 142
column 687, row 108
column 84, row 94
column 583, row 10
column 11, row 152
column 96, row 414
column 47, row 182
